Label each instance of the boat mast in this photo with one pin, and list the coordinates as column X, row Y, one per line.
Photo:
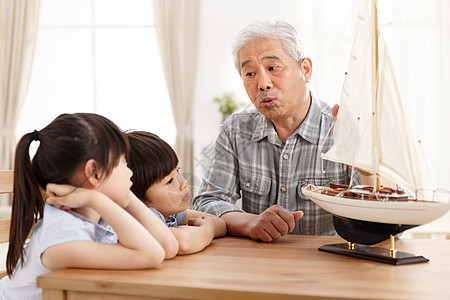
column 377, row 183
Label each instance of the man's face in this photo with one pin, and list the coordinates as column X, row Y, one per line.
column 272, row 79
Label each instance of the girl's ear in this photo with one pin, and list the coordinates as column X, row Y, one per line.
column 92, row 173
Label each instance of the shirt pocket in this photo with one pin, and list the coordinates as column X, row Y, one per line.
column 300, row 195
column 253, row 184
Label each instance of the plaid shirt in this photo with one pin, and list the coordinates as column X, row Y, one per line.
column 250, row 160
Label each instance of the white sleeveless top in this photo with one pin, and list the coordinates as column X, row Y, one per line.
column 56, row 227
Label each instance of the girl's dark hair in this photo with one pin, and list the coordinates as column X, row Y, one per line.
column 65, row 145
column 151, row 159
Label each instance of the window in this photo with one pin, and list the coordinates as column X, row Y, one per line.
column 98, row 56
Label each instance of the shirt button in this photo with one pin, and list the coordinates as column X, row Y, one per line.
column 248, row 184
column 283, row 189
column 285, row 157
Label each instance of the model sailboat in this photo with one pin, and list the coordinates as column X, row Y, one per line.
column 372, row 134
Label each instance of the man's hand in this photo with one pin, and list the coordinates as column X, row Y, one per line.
column 273, row 223
column 335, row 110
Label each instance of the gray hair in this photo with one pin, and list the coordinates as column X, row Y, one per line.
column 278, row 30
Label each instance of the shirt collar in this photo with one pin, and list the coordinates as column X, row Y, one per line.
column 265, row 128
column 308, row 129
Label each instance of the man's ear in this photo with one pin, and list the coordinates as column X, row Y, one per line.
column 92, row 172
column 306, row 68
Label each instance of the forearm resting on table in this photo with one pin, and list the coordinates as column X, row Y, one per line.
column 219, row 224
column 151, row 222
column 220, row 227
column 238, row 222
column 192, row 239
column 136, row 247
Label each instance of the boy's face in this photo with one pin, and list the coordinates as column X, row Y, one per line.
column 170, row 195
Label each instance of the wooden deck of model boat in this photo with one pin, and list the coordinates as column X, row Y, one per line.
column 377, row 210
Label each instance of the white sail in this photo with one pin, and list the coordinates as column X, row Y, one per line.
column 371, row 131
column 398, row 158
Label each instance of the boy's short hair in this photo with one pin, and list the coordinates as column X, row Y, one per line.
column 151, row 159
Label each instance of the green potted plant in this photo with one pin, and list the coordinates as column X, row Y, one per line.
column 228, row 104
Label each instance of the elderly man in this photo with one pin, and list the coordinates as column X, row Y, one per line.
column 266, row 153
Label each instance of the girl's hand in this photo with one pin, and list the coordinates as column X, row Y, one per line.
column 66, row 196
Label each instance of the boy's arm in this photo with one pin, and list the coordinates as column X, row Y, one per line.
column 194, row 238
column 219, row 224
column 154, row 225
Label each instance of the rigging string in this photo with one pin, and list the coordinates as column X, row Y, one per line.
column 323, row 143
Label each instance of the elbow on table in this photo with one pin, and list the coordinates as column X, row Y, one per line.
column 184, row 240
column 188, row 243
column 193, row 243
column 150, row 258
column 186, row 247
column 171, row 249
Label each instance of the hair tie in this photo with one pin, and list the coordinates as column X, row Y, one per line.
column 35, row 135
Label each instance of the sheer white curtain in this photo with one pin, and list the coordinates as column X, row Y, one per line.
column 177, row 27
column 19, row 20
column 421, row 48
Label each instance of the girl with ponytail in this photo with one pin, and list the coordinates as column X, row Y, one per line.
column 76, row 190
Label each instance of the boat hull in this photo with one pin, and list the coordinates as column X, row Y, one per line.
column 364, row 232
column 386, row 212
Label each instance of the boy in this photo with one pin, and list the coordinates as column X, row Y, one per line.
column 158, row 183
